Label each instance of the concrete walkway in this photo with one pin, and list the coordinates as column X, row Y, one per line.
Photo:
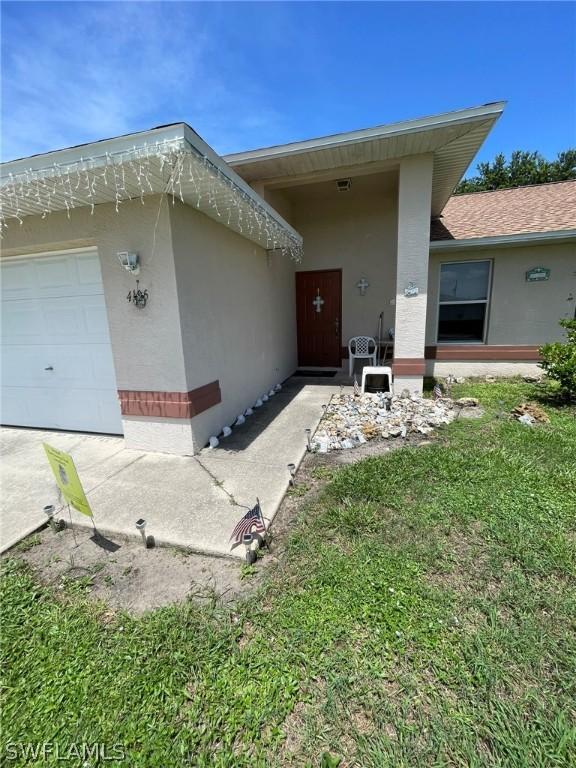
column 191, row 502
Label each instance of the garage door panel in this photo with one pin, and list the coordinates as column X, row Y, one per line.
column 16, row 280
column 21, row 320
column 14, row 409
column 79, row 366
column 102, row 365
column 55, row 276
column 57, row 366
column 30, row 406
column 64, row 320
column 76, row 275
column 86, row 366
column 24, row 366
column 35, row 405
column 49, row 276
column 88, row 271
column 55, row 321
column 99, row 414
column 95, row 318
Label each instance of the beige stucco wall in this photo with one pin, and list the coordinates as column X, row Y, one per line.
column 219, row 308
column 354, row 231
column 479, row 368
column 277, row 199
column 237, row 312
column 146, row 346
column 519, row 312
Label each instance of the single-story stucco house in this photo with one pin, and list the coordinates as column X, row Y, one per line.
column 153, row 289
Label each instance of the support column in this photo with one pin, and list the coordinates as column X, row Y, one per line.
column 414, row 206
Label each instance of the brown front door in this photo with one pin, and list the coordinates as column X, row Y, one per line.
column 319, row 317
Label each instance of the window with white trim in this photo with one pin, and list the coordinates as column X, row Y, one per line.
column 463, row 302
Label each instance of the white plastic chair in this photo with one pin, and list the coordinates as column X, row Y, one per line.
column 361, row 347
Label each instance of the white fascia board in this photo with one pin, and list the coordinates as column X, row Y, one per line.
column 523, row 238
column 95, row 149
column 445, row 119
column 206, row 150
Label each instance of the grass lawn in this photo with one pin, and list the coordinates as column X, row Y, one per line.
column 424, row 615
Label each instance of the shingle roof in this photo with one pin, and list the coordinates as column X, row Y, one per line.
column 541, row 208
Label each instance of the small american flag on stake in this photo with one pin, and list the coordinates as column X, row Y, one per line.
column 437, row 391
column 252, row 522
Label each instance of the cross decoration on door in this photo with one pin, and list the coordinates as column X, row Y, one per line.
column 318, row 301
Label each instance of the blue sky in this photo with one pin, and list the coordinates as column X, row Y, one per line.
column 246, row 75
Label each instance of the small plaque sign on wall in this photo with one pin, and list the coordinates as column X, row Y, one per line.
column 411, row 290
column 537, row 274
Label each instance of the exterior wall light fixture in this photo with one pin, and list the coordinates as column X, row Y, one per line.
column 363, row 286
column 130, row 261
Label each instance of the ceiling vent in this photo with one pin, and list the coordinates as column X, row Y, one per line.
column 343, row 185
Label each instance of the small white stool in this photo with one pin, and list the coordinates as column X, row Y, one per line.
column 377, row 370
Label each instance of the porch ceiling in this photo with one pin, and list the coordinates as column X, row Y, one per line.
column 454, row 138
column 172, row 160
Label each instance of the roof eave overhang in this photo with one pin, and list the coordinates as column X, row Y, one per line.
column 356, row 137
column 511, row 240
column 178, row 162
column 454, row 138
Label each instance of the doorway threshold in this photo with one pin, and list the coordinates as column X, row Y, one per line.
column 322, row 373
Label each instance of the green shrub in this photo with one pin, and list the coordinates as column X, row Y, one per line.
column 559, row 360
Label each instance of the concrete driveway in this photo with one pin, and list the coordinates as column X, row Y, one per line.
column 192, row 502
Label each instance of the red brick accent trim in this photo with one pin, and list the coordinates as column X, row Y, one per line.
column 465, row 352
column 408, row 366
column 172, row 405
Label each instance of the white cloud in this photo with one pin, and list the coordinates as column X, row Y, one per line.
column 74, row 73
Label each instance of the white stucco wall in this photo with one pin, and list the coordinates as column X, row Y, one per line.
column 354, row 231
column 414, row 202
column 237, row 312
column 519, row 312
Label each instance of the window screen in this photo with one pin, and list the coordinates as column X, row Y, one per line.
column 464, row 288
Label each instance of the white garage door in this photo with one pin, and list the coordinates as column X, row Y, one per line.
column 57, row 369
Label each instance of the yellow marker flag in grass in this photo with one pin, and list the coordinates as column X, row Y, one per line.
column 67, row 478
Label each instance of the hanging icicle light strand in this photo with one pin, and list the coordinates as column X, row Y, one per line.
column 173, row 167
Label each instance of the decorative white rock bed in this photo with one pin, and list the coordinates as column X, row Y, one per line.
column 352, row 420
